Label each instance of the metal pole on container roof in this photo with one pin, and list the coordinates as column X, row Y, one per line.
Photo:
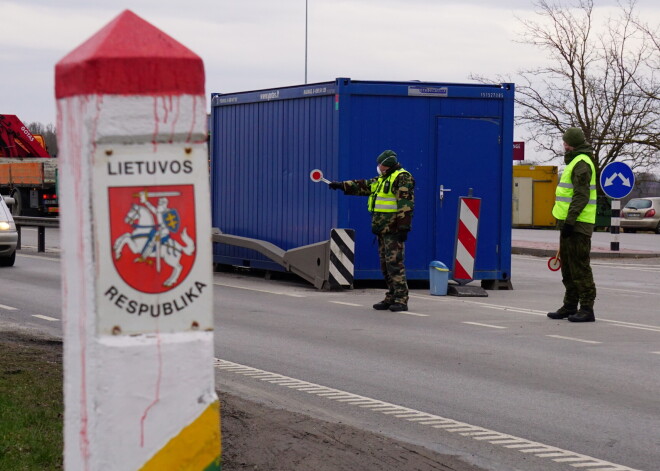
column 306, row 42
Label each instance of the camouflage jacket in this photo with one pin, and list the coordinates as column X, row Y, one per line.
column 403, row 188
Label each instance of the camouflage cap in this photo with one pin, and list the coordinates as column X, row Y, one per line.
column 387, row 158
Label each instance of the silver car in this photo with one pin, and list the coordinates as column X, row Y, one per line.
column 8, row 236
column 641, row 214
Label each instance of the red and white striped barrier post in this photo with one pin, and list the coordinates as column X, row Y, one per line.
column 466, row 239
column 139, row 388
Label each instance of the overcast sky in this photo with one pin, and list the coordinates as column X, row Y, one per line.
column 252, row 44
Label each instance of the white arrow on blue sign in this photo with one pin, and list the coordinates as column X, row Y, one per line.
column 617, row 180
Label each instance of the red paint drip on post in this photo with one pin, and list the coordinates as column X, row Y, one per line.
column 130, row 57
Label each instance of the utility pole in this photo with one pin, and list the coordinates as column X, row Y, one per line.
column 306, row 1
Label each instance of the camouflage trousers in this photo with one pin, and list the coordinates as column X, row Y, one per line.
column 391, row 252
column 576, row 270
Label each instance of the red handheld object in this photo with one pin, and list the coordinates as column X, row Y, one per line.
column 554, row 263
column 317, row 176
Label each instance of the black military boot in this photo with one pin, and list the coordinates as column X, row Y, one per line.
column 585, row 314
column 563, row 312
column 382, row 306
column 398, row 307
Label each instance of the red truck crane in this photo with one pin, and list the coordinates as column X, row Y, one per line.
column 27, row 172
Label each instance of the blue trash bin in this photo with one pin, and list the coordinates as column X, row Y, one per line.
column 438, row 278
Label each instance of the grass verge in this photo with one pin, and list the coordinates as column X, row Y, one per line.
column 31, row 403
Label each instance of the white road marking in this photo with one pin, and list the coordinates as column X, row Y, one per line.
column 509, row 308
column 642, row 268
column 37, row 257
column 627, row 291
column 629, row 326
column 647, row 270
column 8, row 308
column 436, row 422
column 572, row 338
column 46, row 318
column 613, row 264
column 485, row 325
column 596, row 263
column 435, row 298
column 536, row 312
column 512, row 309
column 346, row 304
column 281, row 293
column 657, row 353
column 409, row 313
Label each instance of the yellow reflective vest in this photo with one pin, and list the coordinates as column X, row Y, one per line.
column 564, row 193
column 382, row 199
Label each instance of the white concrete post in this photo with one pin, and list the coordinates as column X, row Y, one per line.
column 136, row 254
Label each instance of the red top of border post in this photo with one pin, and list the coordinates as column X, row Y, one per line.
column 130, row 57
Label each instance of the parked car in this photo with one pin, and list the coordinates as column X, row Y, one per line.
column 8, row 236
column 641, row 214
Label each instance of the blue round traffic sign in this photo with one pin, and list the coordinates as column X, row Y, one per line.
column 617, row 180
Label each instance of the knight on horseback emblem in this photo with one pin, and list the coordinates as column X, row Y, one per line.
column 157, row 237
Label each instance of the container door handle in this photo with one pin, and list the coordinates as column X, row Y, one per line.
column 442, row 193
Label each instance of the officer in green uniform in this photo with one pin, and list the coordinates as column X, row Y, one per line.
column 391, row 203
column 575, row 210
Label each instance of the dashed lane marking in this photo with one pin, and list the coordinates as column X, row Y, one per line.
column 425, row 419
column 628, row 291
column 572, row 338
column 8, row 308
column 633, row 326
column 409, row 313
column 521, row 310
column 595, row 263
column 485, row 325
column 435, row 298
column 46, row 318
column 281, row 293
column 536, row 312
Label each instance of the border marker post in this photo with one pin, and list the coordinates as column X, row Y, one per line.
column 139, row 386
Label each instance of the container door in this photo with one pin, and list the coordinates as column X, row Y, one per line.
column 522, row 201
column 469, row 157
column 544, row 200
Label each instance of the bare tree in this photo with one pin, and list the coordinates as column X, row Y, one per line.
column 651, row 34
column 49, row 134
column 602, row 80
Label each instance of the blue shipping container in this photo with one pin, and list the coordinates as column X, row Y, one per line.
column 453, row 136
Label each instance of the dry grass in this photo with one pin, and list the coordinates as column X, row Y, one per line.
column 31, row 403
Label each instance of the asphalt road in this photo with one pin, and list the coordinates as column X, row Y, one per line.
column 490, row 379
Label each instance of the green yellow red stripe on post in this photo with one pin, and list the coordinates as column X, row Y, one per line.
column 196, row 447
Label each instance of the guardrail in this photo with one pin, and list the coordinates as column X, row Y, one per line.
column 40, row 223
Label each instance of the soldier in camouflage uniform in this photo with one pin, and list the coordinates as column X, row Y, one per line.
column 391, row 203
column 575, row 210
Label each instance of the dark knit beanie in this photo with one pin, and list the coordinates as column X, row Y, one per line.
column 574, row 137
column 387, row 158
